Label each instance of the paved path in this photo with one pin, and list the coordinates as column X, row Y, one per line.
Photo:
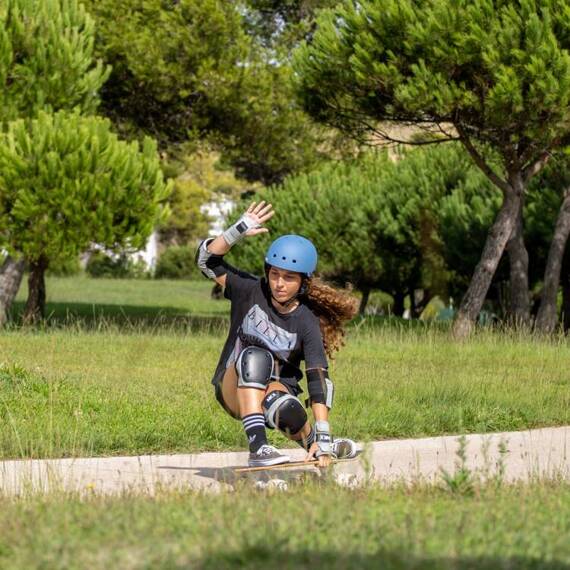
column 533, row 453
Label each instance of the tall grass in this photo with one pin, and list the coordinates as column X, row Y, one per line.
column 124, row 367
column 77, row 392
column 312, row 525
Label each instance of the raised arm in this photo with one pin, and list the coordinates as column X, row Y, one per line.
column 209, row 256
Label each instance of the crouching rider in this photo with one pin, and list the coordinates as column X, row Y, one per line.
column 276, row 322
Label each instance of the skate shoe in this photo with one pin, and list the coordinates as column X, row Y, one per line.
column 267, row 455
column 344, row 448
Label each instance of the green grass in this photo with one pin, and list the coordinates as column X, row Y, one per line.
column 124, row 367
column 129, row 303
column 118, row 387
column 311, row 526
column 80, row 393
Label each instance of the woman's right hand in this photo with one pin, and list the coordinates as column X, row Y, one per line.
column 259, row 213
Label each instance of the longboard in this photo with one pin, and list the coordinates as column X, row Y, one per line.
column 290, row 465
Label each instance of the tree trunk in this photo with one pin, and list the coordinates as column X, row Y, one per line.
column 421, row 297
column 519, row 309
column 495, row 244
column 36, row 303
column 364, row 301
column 412, row 302
column 566, row 290
column 11, row 274
column 398, row 306
column 547, row 317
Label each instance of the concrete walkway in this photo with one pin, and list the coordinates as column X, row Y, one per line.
column 541, row 453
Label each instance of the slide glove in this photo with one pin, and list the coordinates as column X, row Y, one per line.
column 237, row 231
column 323, row 439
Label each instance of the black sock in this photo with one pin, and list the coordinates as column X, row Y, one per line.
column 254, row 425
column 306, row 443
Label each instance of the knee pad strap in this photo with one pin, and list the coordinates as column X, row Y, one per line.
column 284, row 412
column 254, row 367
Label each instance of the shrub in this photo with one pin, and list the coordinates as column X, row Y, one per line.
column 177, row 262
column 118, row 267
column 64, row 267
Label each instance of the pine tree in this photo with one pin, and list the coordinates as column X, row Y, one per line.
column 492, row 74
column 378, row 224
column 66, row 181
column 549, row 216
column 47, row 44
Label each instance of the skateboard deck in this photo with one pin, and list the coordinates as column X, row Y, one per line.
column 290, row 465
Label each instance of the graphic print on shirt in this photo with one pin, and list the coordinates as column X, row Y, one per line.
column 257, row 329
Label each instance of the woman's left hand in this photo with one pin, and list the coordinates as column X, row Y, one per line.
column 324, row 460
column 259, row 213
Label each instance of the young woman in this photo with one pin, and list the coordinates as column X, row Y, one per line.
column 277, row 322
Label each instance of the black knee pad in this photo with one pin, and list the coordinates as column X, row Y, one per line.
column 254, row 367
column 284, row 412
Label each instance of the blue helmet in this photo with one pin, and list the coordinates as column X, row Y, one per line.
column 293, row 253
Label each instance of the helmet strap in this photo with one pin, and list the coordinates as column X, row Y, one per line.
column 287, row 302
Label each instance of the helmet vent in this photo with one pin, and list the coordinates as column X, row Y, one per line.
column 283, row 258
column 294, row 260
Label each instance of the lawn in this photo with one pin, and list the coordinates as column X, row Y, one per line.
column 128, row 303
column 104, row 383
column 124, row 367
column 310, row 526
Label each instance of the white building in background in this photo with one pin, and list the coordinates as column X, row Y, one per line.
column 218, row 211
column 150, row 253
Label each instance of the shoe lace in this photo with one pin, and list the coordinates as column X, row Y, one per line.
column 267, row 450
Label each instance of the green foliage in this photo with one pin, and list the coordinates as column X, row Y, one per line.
column 498, row 70
column 177, row 262
column 464, row 218
column 543, row 201
column 379, row 223
column 47, row 44
column 272, row 16
column 420, row 222
column 328, row 207
column 199, row 178
column 494, row 75
column 266, row 135
column 171, row 62
column 186, row 222
column 190, row 69
column 67, row 181
column 65, row 267
column 101, row 265
column 462, row 480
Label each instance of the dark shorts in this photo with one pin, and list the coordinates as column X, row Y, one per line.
column 293, row 390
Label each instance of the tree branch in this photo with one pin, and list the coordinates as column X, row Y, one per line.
column 481, row 162
column 358, row 123
column 534, row 168
column 368, row 128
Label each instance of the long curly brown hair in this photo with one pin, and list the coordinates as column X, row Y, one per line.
column 334, row 307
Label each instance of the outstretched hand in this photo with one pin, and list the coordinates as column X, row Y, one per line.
column 324, row 460
column 260, row 213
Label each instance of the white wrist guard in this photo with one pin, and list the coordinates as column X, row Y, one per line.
column 237, row 232
column 323, row 438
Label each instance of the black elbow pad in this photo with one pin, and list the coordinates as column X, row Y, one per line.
column 321, row 388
